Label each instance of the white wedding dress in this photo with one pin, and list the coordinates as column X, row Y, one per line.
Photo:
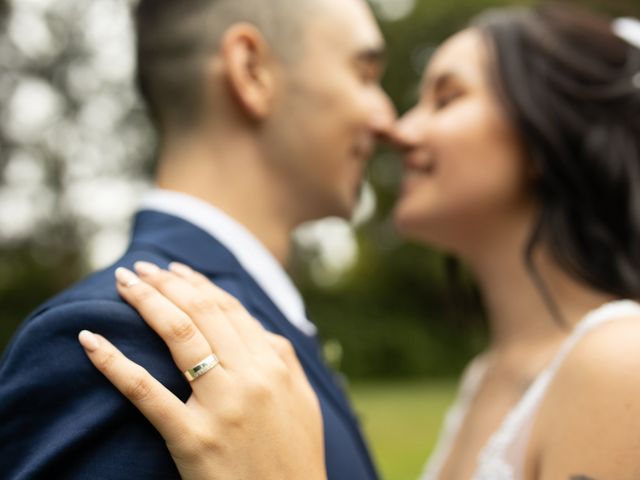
column 503, row 456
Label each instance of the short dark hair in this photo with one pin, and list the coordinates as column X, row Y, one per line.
column 174, row 38
column 570, row 86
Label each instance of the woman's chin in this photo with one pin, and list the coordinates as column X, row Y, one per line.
column 419, row 226
column 409, row 224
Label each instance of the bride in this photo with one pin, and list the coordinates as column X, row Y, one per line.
column 522, row 159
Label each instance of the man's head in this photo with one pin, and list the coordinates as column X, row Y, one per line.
column 298, row 79
column 176, row 40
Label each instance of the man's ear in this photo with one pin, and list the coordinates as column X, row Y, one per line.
column 250, row 69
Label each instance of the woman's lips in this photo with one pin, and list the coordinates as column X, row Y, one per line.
column 420, row 162
column 417, row 167
column 364, row 148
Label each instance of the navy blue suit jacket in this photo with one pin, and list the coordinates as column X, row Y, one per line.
column 60, row 419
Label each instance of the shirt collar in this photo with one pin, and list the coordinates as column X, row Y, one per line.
column 248, row 250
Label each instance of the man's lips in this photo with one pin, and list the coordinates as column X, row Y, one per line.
column 364, row 148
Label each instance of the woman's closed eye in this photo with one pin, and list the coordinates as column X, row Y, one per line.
column 443, row 99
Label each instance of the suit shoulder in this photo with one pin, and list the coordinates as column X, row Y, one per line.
column 46, row 359
column 50, row 336
column 100, row 285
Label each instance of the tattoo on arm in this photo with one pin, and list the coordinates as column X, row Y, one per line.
column 580, row 477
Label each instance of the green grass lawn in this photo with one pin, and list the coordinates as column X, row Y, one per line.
column 401, row 421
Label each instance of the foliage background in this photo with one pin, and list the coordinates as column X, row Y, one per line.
column 75, row 153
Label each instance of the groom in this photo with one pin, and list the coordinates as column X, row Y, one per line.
column 267, row 111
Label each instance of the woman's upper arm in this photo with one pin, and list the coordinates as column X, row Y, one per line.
column 589, row 423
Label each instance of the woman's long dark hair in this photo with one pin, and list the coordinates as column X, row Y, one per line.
column 571, row 87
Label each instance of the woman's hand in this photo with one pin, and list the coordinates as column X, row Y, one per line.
column 253, row 416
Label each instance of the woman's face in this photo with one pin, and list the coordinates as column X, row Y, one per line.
column 466, row 174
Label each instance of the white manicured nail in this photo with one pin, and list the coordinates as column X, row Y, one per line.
column 88, row 340
column 126, row 278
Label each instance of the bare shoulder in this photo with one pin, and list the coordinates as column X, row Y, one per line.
column 605, row 353
column 603, row 367
column 589, row 420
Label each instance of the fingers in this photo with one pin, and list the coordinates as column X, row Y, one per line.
column 232, row 333
column 204, row 312
column 248, row 328
column 284, row 349
column 186, row 343
column 164, row 410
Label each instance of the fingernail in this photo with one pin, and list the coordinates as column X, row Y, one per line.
column 88, row 340
column 180, row 268
column 126, row 278
column 146, row 268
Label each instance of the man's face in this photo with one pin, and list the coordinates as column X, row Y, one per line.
column 331, row 111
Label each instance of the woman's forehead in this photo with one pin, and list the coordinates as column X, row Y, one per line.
column 463, row 56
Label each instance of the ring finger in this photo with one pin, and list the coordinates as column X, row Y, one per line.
column 187, row 344
column 221, row 334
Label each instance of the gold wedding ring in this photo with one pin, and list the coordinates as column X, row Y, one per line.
column 202, row 367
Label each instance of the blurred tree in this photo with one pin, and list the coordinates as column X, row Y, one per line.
column 72, row 141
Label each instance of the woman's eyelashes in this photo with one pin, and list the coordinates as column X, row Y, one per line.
column 445, row 98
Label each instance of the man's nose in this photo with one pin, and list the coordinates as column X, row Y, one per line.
column 403, row 133
column 383, row 118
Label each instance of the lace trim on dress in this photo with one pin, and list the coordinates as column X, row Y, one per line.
column 454, row 418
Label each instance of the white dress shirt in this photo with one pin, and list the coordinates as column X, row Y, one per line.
column 248, row 250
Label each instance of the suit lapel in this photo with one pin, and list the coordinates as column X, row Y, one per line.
column 311, row 360
column 306, row 347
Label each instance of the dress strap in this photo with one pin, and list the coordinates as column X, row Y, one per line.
column 606, row 313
